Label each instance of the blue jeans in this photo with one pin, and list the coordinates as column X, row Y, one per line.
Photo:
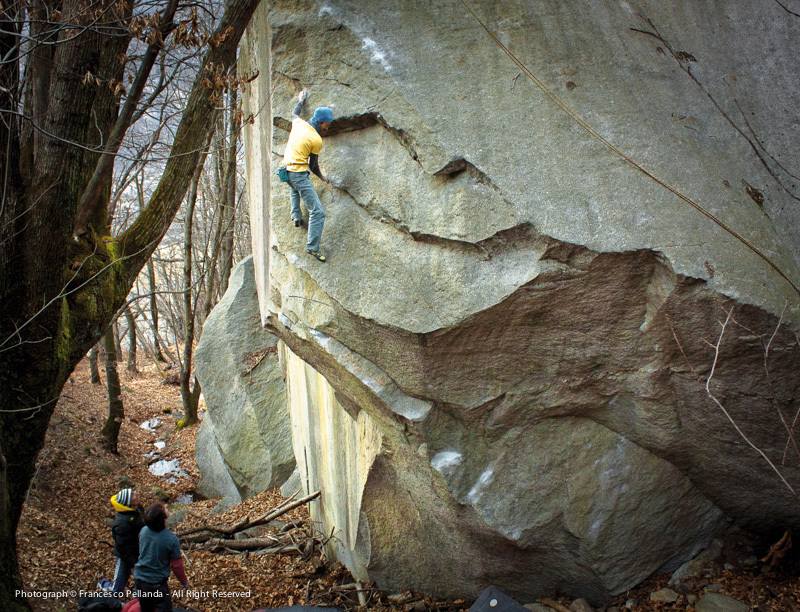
column 300, row 187
column 121, row 574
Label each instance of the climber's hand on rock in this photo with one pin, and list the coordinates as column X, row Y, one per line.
column 335, row 181
column 303, row 95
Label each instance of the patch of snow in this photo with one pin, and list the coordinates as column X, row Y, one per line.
column 151, row 424
column 167, row 468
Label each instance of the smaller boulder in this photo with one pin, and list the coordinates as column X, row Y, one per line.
column 701, row 564
column 175, row 517
column 580, row 605
column 245, row 443
column 664, row 596
column 159, row 493
column 716, row 602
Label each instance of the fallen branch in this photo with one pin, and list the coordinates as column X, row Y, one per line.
column 551, row 604
column 345, row 587
column 265, row 545
column 362, row 599
column 186, row 535
column 286, row 550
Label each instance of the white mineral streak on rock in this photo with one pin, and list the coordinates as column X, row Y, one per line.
column 377, row 54
column 446, row 461
column 375, row 378
column 476, row 492
column 334, row 453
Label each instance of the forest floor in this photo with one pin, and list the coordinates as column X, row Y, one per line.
column 64, row 536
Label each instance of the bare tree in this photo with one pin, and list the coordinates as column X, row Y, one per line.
column 131, row 341
column 63, row 275
column 189, row 395
column 94, row 371
column 151, row 274
column 228, row 199
column 116, row 410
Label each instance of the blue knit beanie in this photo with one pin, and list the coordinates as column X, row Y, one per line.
column 323, row 115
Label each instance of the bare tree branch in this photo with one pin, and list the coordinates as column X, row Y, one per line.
column 727, row 414
column 102, row 173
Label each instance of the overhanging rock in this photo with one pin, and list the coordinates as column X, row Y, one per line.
column 515, row 326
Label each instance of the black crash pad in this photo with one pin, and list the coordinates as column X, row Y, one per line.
column 494, row 600
column 303, row 609
column 99, row 603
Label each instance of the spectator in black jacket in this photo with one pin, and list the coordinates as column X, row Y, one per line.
column 125, row 531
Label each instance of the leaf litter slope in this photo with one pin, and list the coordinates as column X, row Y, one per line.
column 64, row 538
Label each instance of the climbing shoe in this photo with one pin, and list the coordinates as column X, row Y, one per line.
column 316, row 255
column 298, row 222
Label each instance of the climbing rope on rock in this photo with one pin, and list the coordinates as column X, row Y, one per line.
column 588, row 128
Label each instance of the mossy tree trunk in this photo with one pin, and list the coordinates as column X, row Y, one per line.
column 60, row 292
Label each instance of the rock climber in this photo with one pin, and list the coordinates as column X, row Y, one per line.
column 300, row 157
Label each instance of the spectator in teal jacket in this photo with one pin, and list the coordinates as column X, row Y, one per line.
column 159, row 552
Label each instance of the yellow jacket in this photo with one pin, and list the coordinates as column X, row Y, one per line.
column 303, row 141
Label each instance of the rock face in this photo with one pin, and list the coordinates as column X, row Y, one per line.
column 499, row 376
column 244, row 444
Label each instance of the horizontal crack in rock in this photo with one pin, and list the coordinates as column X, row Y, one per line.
column 339, row 125
column 457, row 166
column 354, row 123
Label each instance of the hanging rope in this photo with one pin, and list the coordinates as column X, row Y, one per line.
column 581, row 122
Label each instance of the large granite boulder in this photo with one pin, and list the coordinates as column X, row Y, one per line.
column 244, row 445
column 500, row 375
